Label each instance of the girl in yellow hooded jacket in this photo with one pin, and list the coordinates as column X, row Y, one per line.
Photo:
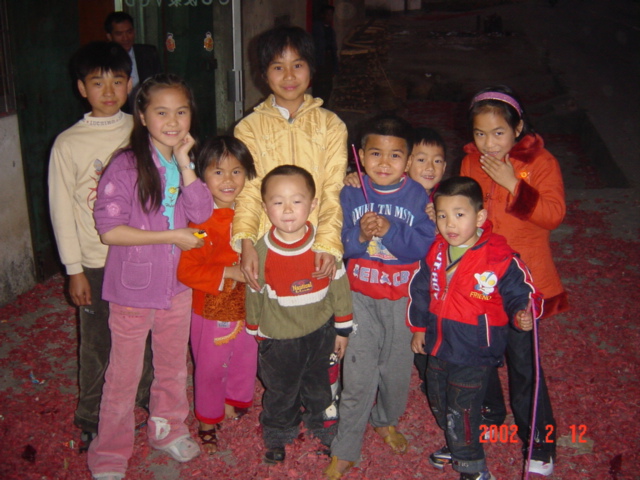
column 291, row 128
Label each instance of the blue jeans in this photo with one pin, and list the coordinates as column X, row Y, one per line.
column 455, row 395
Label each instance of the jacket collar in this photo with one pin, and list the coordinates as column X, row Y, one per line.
column 308, row 103
column 526, row 150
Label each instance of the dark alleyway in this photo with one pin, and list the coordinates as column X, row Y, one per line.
column 425, row 66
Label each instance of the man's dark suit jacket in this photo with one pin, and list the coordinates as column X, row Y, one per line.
column 147, row 60
column 148, row 64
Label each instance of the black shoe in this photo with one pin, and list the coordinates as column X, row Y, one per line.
column 274, row 455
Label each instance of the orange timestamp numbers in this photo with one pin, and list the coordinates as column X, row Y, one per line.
column 509, row 433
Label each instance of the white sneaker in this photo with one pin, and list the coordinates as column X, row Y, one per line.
column 108, row 476
column 540, row 467
column 182, row 450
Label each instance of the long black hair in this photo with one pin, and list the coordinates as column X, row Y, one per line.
column 149, row 182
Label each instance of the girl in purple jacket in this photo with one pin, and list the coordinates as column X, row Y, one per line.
column 146, row 198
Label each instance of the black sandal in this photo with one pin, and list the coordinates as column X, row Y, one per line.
column 209, row 437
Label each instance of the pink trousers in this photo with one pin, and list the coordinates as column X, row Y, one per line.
column 224, row 373
column 110, row 451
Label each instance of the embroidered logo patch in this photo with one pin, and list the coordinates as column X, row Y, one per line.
column 301, row 286
column 487, row 282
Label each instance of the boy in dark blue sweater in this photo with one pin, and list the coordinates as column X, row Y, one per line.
column 384, row 236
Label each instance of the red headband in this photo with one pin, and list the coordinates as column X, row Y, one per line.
column 502, row 97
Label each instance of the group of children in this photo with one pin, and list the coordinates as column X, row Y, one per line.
column 258, row 225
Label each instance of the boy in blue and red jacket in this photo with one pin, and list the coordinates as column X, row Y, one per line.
column 384, row 237
column 462, row 300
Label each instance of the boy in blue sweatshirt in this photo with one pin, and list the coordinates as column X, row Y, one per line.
column 384, row 236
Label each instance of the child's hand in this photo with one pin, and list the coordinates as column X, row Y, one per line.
column 249, row 264
column 325, row 266
column 382, row 226
column 431, row 212
column 185, row 239
column 352, row 180
column 524, row 320
column 417, row 343
column 234, row 273
column 181, row 151
column 340, row 346
column 79, row 289
column 500, row 172
column 368, row 226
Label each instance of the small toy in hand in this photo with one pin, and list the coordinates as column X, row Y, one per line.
column 200, row 234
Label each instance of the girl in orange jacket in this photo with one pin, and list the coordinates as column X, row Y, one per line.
column 224, row 354
column 524, row 195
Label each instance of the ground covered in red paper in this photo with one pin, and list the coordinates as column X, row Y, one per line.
column 590, row 357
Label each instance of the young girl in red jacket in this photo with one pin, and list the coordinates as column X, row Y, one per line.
column 224, row 354
column 524, row 195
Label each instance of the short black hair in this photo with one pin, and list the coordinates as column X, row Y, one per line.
column 388, row 126
column 101, row 56
column 465, row 186
column 274, row 42
column 214, row 150
column 288, row 170
column 428, row 136
column 116, row 17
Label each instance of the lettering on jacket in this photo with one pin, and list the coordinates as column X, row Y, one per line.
column 386, row 209
column 373, row 275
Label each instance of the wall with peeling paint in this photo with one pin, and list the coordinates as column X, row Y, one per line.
column 16, row 262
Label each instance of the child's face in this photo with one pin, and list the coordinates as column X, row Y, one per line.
column 168, row 118
column 427, row 165
column 457, row 220
column 493, row 135
column 288, row 77
column 106, row 92
column 225, row 180
column 288, row 203
column 384, row 158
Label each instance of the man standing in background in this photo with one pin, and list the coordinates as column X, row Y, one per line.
column 146, row 63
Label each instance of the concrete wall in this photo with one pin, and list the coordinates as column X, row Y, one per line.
column 17, row 273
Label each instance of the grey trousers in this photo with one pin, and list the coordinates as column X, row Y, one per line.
column 377, row 368
column 93, row 356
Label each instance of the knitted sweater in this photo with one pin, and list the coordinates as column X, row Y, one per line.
column 316, row 140
column 291, row 303
column 383, row 267
column 527, row 218
column 78, row 158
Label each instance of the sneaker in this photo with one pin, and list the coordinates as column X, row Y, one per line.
column 541, row 467
column 440, row 458
column 108, row 476
column 182, row 450
column 486, row 475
